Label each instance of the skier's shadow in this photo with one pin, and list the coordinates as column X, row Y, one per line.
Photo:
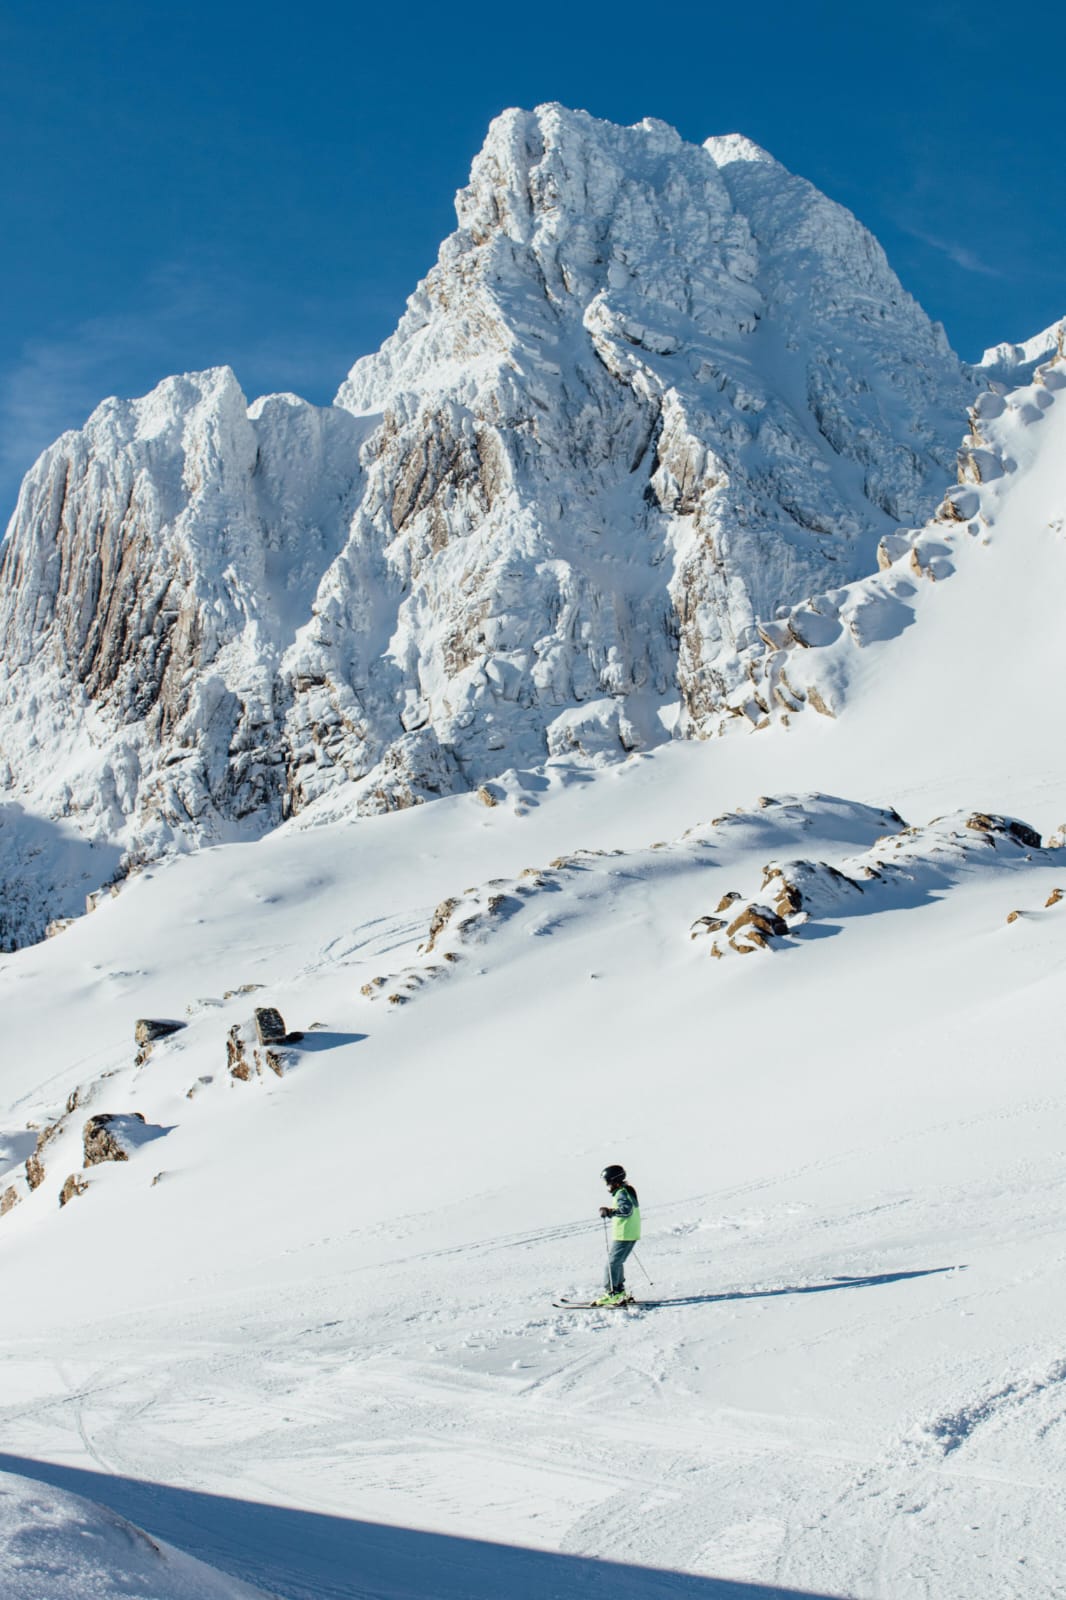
column 867, row 1281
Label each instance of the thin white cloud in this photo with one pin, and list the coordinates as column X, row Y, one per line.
column 962, row 256
column 184, row 316
column 57, row 382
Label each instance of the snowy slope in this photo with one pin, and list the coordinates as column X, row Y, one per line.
column 337, row 1295
column 650, row 393
column 1009, row 503
column 327, row 1290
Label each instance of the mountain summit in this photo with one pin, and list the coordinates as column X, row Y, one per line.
column 650, row 393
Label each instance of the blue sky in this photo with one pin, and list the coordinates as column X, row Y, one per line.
column 263, row 184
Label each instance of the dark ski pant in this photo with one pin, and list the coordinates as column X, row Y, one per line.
column 615, row 1276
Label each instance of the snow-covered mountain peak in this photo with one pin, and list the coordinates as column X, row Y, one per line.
column 726, row 148
column 708, row 379
column 564, row 210
column 650, row 393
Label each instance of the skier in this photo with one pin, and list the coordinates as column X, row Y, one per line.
column 625, row 1230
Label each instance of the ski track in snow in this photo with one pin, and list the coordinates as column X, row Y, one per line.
column 579, row 1414
column 433, row 1379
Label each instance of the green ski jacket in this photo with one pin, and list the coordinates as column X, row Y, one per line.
column 626, row 1215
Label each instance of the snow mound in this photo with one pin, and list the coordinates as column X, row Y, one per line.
column 58, row 1546
column 903, row 866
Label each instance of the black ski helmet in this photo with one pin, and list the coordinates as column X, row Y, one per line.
column 609, row 1174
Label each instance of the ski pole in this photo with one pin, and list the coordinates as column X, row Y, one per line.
column 607, row 1252
column 643, row 1269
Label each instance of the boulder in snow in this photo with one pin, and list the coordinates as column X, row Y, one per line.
column 270, row 1025
column 35, row 1168
column 111, row 1136
column 148, row 1029
column 237, row 1062
column 1020, row 832
column 74, row 1185
column 758, row 919
column 439, row 922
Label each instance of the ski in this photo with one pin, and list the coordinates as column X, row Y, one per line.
column 592, row 1305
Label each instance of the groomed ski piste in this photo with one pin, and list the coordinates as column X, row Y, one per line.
column 305, row 1333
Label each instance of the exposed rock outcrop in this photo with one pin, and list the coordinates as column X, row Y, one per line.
column 441, row 917
column 757, row 919
column 270, row 1025
column 251, row 1051
column 73, row 1186
column 805, row 888
column 110, row 1136
column 1020, row 832
column 238, row 1062
column 148, row 1031
column 35, row 1167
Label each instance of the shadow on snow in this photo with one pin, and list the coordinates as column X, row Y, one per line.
column 46, row 871
column 866, row 1281
column 306, row 1555
column 324, row 1039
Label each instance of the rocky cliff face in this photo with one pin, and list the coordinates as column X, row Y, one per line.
column 158, row 566
column 651, row 394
